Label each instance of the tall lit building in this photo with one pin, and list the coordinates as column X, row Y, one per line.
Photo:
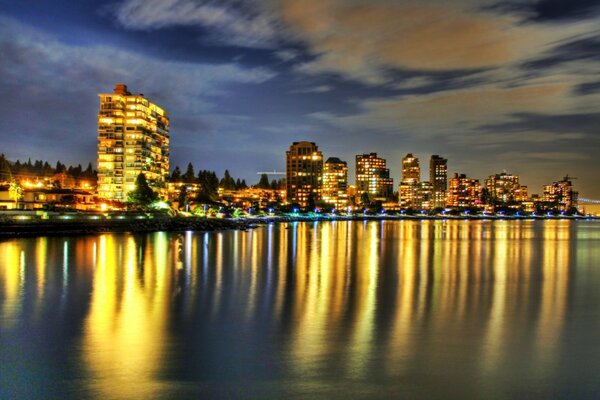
column 463, row 192
column 438, row 176
column 335, row 182
column 133, row 137
column 411, row 171
column 505, row 189
column 304, row 173
column 373, row 178
column 408, row 192
column 560, row 195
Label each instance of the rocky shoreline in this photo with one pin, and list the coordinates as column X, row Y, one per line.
column 78, row 226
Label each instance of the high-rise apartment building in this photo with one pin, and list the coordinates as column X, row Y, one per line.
column 373, row 178
column 463, row 192
column 438, row 176
column 335, row 182
column 505, row 189
column 561, row 195
column 408, row 192
column 304, row 173
column 411, row 171
column 133, row 137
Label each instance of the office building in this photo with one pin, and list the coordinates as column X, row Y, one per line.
column 335, row 182
column 408, row 191
column 304, row 173
column 373, row 178
column 438, row 176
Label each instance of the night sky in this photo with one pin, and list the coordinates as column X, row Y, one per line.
column 490, row 85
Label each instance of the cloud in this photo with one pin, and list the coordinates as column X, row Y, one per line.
column 230, row 22
column 315, row 89
column 553, row 10
column 555, row 156
column 53, row 89
column 287, row 55
column 363, row 40
column 454, row 111
column 564, row 124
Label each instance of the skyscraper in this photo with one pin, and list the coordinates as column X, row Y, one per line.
column 373, row 178
column 133, row 137
column 411, row 171
column 304, row 173
column 438, row 176
column 335, row 182
column 409, row 186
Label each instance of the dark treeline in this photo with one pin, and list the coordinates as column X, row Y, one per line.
column 209, row 181
column 42, row 169
column 209, row 184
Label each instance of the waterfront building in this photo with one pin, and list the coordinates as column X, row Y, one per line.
column 463, row 192
column 505, row 189
column 425, row 195
column 560, row 195
column 48, row 198
column 304, row 173
column 438, row 176
column 335, row 182
column 373, row 178
column 411, row 171
column 133, row 137
column 408, row 191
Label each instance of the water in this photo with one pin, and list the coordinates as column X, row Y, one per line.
column 334, row 310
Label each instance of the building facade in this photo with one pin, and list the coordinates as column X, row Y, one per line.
column 438, row 176
column 409, row 190
column 335, row 182
column 463, row 192
column 373, row 178
column 505, row 189
column 304, row 173
column 133, row 137
column 561, row 196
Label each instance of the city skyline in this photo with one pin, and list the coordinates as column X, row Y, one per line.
column 240, row 91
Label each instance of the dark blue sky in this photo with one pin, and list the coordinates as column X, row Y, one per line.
column 490, row 85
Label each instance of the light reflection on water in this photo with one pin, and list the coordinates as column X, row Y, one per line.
column 453, row 309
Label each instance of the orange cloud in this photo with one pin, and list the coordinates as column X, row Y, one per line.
column 363, row 39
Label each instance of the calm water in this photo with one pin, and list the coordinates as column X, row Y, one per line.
column 340, row 310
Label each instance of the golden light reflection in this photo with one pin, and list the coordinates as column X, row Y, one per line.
column 347, row 294
column 13, row 279
column 125, row 327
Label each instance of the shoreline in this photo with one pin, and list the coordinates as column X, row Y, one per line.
column 144, row 224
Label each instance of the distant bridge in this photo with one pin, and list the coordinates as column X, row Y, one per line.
column 270, row 173
column 588, row 201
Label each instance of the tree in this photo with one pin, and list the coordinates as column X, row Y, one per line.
column 142, row 195
column 60, row 168
column 89, row 172
column 189, row 176
column 310, row 202
column 209, row 186
column 5, row 170
column 184, row 197
column 176, row 175
column 364, row 199
column 227, row 182
column 264, row 182
column 15, row 192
